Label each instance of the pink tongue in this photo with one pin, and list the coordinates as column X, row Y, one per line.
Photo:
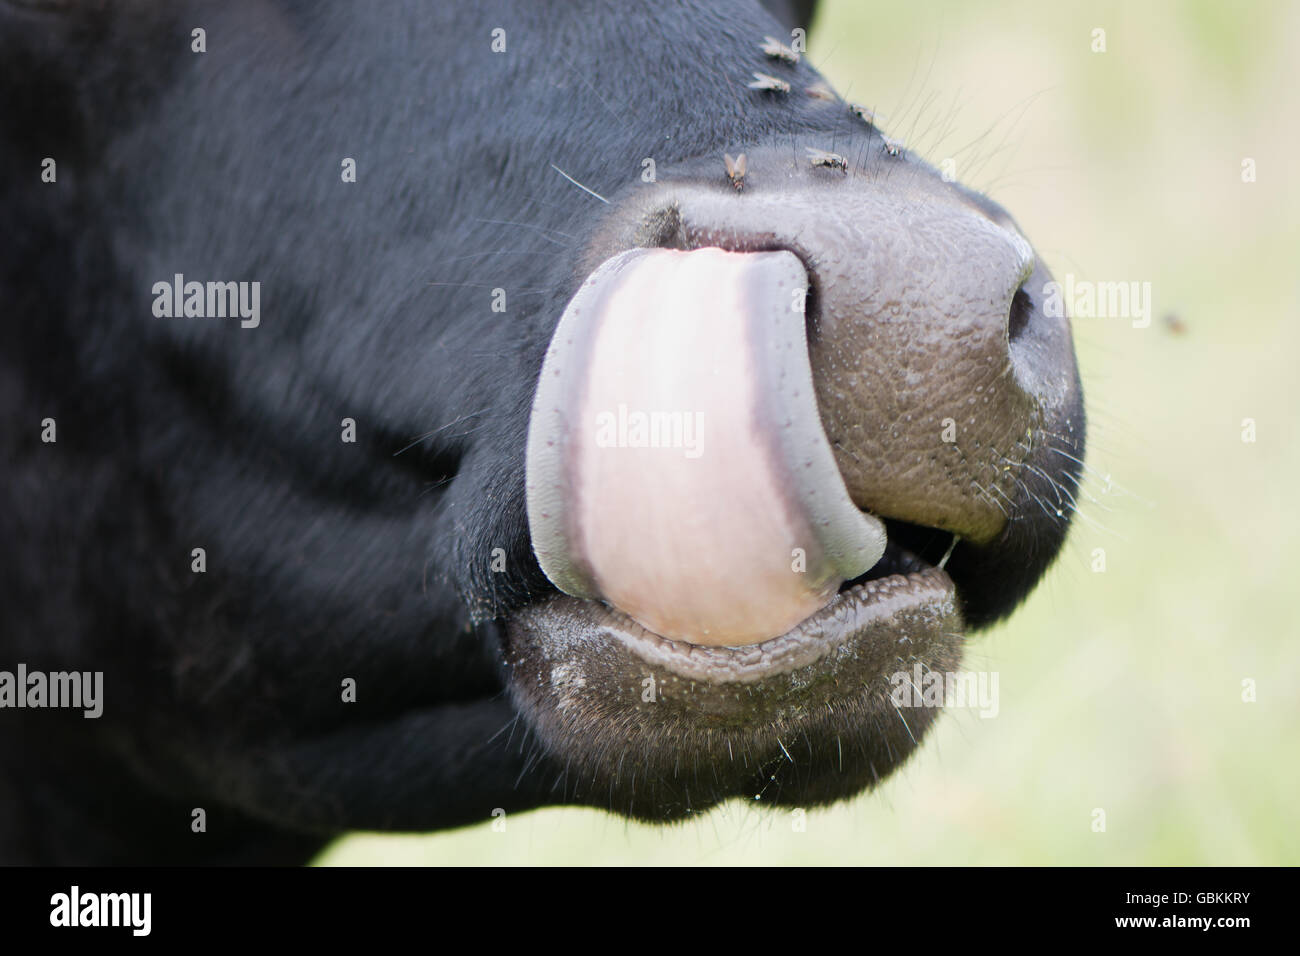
column 677, row 467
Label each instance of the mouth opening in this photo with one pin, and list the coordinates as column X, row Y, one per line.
column 909, row 548
column 670, row 231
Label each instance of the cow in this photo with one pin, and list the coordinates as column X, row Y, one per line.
column 417, row 413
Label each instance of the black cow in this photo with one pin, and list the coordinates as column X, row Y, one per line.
column 341, row 563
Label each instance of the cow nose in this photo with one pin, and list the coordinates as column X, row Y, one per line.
column 930, row 355
column 911, row 351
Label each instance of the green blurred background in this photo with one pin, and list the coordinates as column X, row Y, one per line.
column 1120, row 690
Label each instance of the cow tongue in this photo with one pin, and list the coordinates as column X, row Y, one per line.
column 676, row 465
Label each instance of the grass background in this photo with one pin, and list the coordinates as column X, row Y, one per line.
column 1120, row 690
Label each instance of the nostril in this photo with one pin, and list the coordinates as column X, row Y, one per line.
column 1022, row 307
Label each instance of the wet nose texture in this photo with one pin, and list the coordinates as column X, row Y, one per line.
column 932, row 368
column 912, row 364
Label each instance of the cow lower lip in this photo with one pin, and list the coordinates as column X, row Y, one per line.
column 576, row 625
column 806, row 718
